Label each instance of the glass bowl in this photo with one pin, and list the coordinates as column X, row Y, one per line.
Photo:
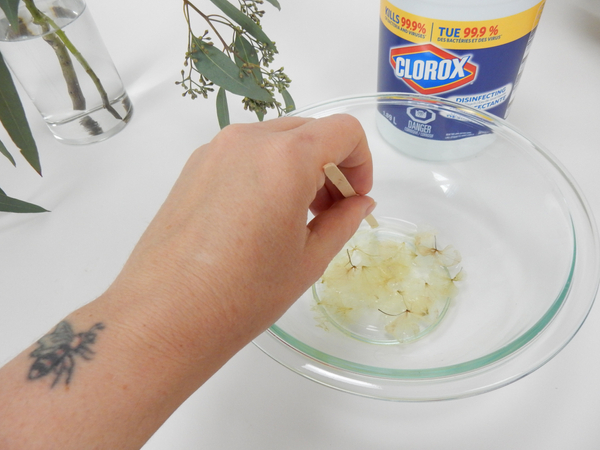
column 528, row 244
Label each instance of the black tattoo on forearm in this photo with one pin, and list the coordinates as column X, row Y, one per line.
column 56, row 352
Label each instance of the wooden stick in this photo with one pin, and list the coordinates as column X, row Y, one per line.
column 336, row 176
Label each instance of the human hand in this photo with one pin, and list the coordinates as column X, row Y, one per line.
column 231, row 244
column 226, row 255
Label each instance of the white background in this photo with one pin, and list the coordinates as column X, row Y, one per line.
column 103, row 196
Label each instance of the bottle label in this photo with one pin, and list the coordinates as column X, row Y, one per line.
column 475, row 63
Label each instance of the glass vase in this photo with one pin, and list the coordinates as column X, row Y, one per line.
column 59, row 59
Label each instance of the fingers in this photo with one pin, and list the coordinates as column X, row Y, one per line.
column 331, row 229
column 339, row 139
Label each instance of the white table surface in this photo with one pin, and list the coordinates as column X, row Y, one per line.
column 103, row 196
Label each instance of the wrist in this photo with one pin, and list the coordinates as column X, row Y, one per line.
column 183, row 332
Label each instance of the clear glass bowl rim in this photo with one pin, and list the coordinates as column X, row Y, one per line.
column 523, row 355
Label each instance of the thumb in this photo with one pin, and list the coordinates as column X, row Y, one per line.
column 331, row 229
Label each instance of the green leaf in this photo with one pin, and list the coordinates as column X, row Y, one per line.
column 9, row 204
column 218, row 68
column 246, row 53
column 260, row 115
column 13, row 118
column 222, row 108
column 5, row 152
column 11, row 9
column 245, row 22
column 289, row 101
column 275, row 3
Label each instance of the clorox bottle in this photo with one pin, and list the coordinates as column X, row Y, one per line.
column 471, row 52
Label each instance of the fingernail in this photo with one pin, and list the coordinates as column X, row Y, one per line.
column 370, row 208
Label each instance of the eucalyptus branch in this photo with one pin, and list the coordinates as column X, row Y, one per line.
column 46, row 23
column 66, row 64
column 241, row 67
column 187, row 4
column 69, row 74
column 79, row 57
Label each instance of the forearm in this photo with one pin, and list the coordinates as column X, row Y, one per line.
column 137, row 375
column 227, row 254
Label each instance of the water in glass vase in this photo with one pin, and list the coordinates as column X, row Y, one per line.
column 60, row 60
